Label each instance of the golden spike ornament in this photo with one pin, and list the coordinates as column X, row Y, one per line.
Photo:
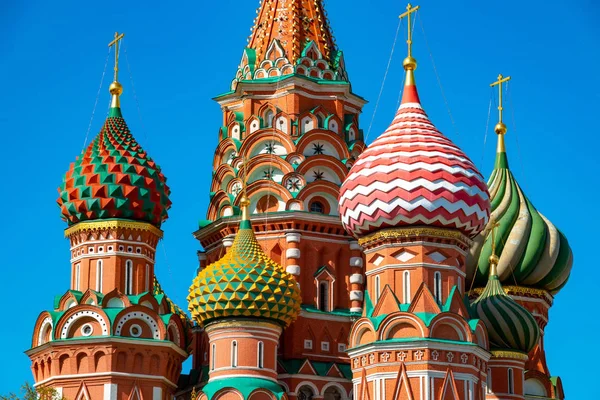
column 116, row 89
column 500, row 128
column 409, row 63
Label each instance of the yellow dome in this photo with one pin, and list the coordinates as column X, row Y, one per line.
column 244, row 283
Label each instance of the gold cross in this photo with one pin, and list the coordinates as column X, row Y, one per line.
column 409, row 10
column 499, row 83
column 115, row 43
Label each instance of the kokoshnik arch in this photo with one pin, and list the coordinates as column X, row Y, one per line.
column 329, row 270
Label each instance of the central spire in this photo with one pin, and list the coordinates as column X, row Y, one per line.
column 294, row 23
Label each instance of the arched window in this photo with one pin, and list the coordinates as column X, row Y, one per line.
column 213, row 356
column 511, row 381
column 377, row 288
column 317, row 207
column 332, row 393
column 261, row 355
column 234, row 354
column 489, row 380
column 128, row 277
column 99, row 276
column 147, row 281
column 305, row 393
column 324, row 296
column 77, row 276
column 406, row 294
column 437, row 286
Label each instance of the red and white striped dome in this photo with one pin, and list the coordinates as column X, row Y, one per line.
column 412, row 175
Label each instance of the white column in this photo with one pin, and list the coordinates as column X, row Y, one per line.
column 110, row 391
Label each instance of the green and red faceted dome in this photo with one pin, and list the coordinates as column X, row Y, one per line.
column 114, row 178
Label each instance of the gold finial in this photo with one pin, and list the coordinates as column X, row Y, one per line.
column 500, row 127
column 410, row 64
column 494, row 259
column 245, row 201
column 116, row 88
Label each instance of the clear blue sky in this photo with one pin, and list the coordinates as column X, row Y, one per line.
column 184, row 53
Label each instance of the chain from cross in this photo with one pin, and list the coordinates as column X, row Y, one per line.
column 499, row 82
column 409, row 10
column 115, row 42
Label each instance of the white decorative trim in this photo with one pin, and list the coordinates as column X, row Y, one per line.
column 356, row 262
column 356, row 295
column 84, row 330
column 227, row 242
column 47, row 321
column 357, row 278
column 293, row 269
column 104, row 374
column 293, row 237
column 356, row 309
column 137, row 328
column 293, row 253
column 86, row 313
column 355, row 246
column 324, row 317
column 138, row 315
column 110, row 391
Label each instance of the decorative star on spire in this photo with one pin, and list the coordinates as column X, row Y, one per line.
column 318, row 148
column 270, row 147
column 268, row 173
column 294, row 185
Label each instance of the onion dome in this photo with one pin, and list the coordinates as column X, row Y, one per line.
column 413, row 175
column 510, row 326
column 114, row 177
column 244, row 283
column 532, row 251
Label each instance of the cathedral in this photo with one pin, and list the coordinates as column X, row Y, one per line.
column 330, row 269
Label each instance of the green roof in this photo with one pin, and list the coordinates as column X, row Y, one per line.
column 244, row 385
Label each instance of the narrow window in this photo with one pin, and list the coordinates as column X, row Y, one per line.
column 77, row 276
column 147, row 282
column 128, row 277
column 437, row 286
column 377, row 288
column 406, row 287
column 234, row 354
column 511, row 381
column 213, row 356
column 99, row 276
column 459, row 284
column 269, row 118
column 261, row 355
column 323, row 296
column 317, row 207
column 489, row 380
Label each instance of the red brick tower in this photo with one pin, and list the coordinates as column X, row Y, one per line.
column 292, row 117
column 114, row 334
